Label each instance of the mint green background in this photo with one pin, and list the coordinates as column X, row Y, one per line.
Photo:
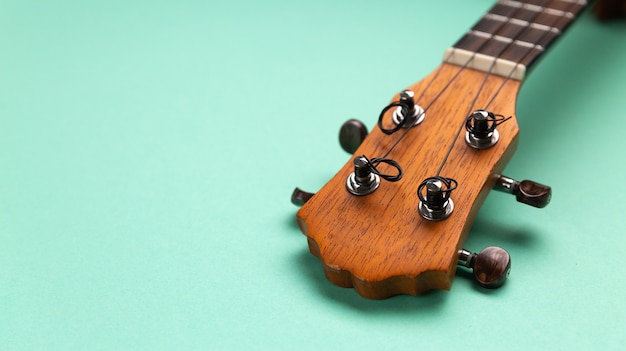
column 148, row 150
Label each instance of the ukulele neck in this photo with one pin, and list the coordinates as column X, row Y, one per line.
column 510, row 38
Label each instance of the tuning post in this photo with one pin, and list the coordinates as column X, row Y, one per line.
column 362, row 181
column 491, row 266
column 481, row 129
column 409, row 110
column 434, row 194
column 527, row 191
column 366, row 177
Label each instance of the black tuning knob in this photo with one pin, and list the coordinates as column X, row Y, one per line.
column 491, row 266
column 526, row 191
column 351, row 135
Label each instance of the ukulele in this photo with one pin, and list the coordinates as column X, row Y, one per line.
column 394, row 219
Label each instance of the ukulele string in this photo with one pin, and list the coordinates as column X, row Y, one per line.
column 482, row 85
column 489, row 72
column 445, row 87
column 441, row 91
column 433, row 78
column 456, row 135
column 419, row 115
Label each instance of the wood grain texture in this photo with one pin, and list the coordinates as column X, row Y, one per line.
column 379, row 244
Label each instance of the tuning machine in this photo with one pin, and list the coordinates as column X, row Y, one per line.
column 527, row 192
column 434, row 194
column 491, row 266
column 409, row 114
column 362, row 181
column 481, row 129
column 366, row 177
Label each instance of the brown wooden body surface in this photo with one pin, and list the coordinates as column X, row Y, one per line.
column 379, row 244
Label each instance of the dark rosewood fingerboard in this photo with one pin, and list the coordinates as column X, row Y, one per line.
column 517, row 31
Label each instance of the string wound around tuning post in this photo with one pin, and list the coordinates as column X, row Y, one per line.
column 481, row 129
column 434, row 194
column 366, row 177
column 406, row 115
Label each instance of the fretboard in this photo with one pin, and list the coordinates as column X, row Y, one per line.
column 513, row 35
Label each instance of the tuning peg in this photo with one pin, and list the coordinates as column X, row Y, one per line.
column 414, row 113
column 362, row 181
column 437, row 204
column 491, row 266
column 481, row 130
column 299, row 197
column 351, row 135
column 526, row 191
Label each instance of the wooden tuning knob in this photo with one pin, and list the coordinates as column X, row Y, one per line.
column 527, row 192
column 351, row 135
column 300, row 197
column 491, row 266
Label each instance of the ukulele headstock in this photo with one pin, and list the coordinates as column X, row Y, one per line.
column 448, row 137
column 405, row 235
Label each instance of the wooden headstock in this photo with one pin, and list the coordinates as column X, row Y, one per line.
column 384, row 241
column 379, row 243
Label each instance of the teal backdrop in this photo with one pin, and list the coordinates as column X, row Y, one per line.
column 148, row 150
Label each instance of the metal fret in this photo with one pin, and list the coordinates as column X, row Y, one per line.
column 528, row 45
column 577, row 2
column 507, row 40
column 510, row 3
column 522, row 23
column 556, row 12
column 534, row 8
column 545, row 28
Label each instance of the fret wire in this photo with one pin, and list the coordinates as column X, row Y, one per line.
column 577, row 2
column 505, row 39
column 558, row 13
column 521, row 23
column 545, row 28
column 480, row 34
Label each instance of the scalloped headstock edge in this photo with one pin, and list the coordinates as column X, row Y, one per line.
column 379, row 243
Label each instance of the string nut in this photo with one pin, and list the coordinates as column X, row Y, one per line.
column 481, row 130
column 414, row 112
column 362, row 181
column 437, row 204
